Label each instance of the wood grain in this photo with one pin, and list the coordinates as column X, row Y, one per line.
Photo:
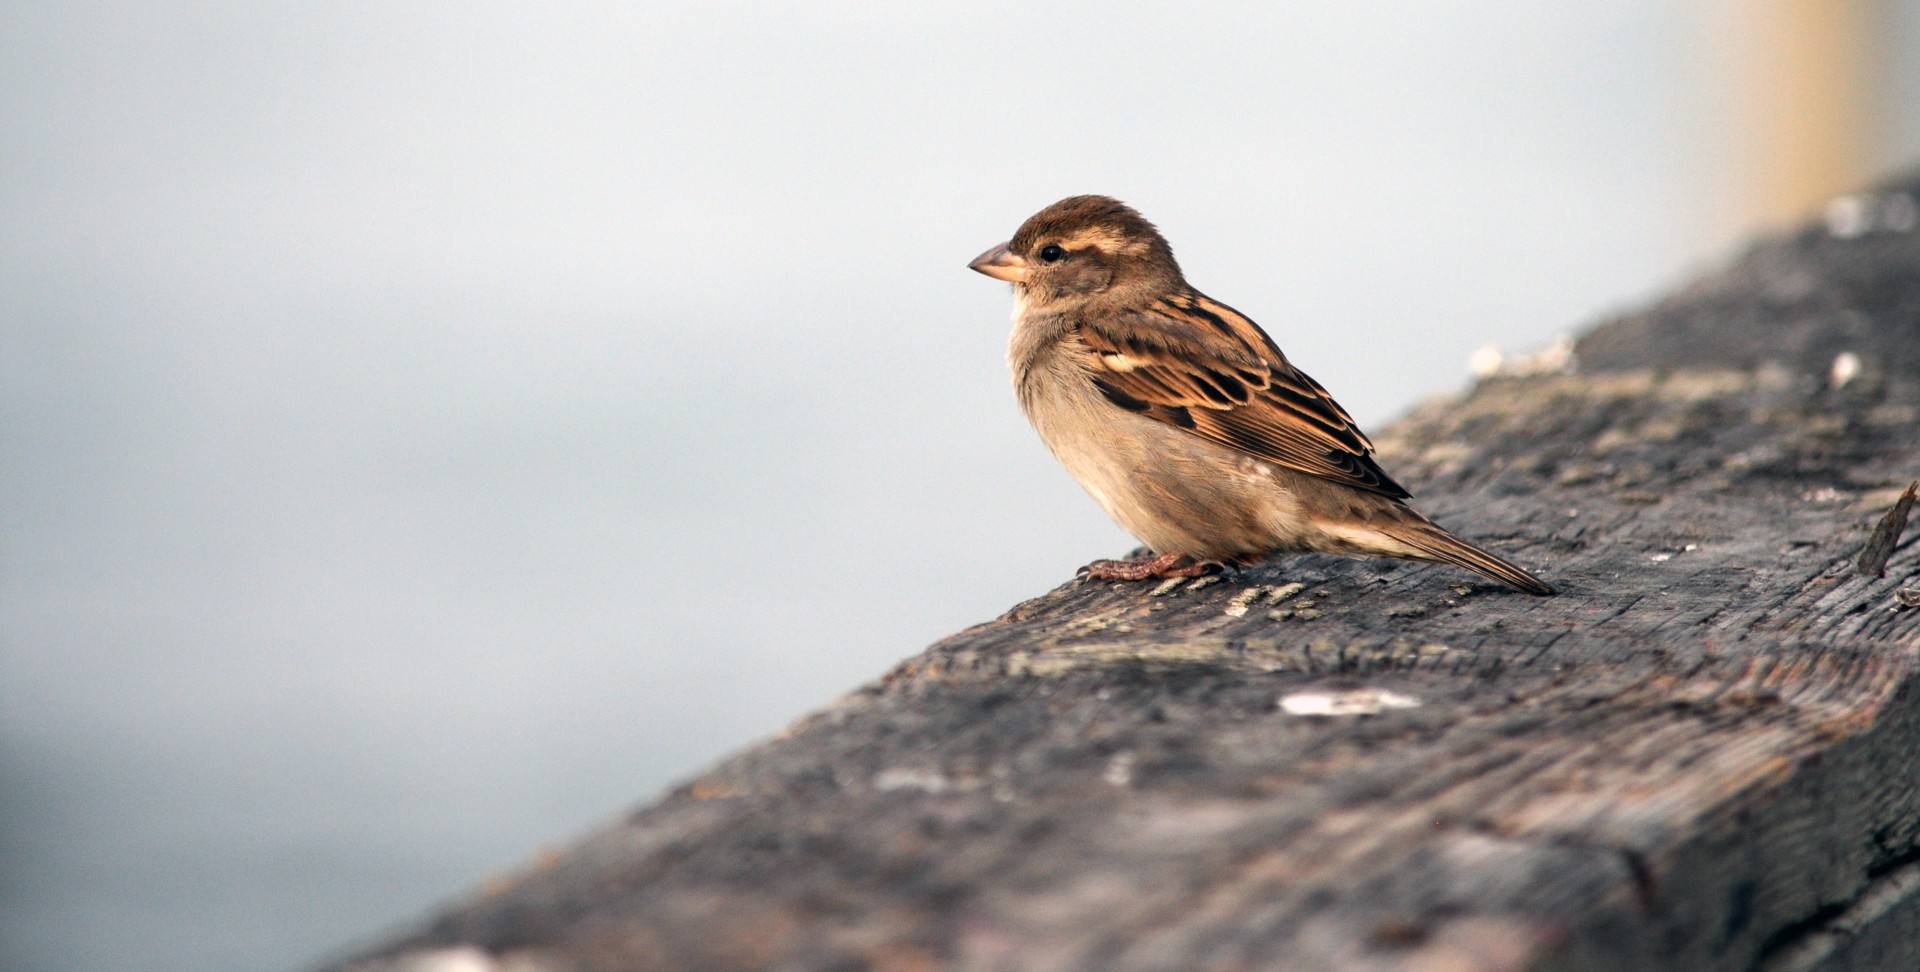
column 1704, row 755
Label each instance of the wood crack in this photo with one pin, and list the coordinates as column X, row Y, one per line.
column 1817, row 941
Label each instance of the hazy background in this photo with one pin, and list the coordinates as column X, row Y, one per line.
column 429, row 430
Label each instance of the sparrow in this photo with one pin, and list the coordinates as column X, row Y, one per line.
column 1183, row 419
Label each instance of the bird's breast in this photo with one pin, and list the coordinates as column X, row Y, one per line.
column 1172, row 489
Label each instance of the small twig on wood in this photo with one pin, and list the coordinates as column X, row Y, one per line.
column 1879, row 548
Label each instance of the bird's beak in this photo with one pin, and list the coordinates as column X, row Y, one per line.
column 1001, row 263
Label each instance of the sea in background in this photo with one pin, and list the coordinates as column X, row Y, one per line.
column 430, row 432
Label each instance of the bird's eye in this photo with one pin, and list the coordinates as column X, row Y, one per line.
column 1052, row 253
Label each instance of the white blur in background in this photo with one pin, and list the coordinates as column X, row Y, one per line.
column 430, row 430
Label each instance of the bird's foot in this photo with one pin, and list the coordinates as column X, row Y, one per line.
column 1142, row 568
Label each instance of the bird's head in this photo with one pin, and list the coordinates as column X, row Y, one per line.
column 1084, row 250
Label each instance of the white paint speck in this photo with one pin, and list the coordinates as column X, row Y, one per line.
column 1485, row 363
column 465, row 958
column 1119, row 770
column 909, row 778
column 1363, row 701
column 1846, row 367
column 1848, row 217
column 1552, row 359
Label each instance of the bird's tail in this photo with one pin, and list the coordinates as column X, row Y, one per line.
column 1434, row 543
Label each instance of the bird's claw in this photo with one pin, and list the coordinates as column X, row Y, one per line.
column 1144, row 568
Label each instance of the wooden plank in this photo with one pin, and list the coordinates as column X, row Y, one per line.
column 1705, row 754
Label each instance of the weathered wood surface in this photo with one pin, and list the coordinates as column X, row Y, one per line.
column 1704, row 755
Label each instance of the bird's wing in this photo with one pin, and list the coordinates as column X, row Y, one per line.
column 1202, row 366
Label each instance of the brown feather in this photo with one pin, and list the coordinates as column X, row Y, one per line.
column 1200, row 365
column 1433, row 540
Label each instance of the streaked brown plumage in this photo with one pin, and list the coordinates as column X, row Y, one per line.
column 1184, row 419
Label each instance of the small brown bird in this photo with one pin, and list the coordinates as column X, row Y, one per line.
column 1182, row 417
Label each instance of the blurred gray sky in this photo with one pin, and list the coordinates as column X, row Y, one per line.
column 431, row 429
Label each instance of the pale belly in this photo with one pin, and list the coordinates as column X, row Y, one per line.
column 1172, row 489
